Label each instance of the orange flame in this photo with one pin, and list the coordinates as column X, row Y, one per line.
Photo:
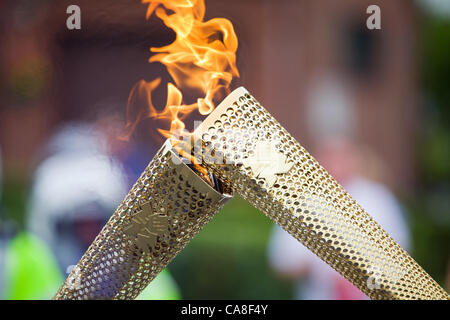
column 202, row 59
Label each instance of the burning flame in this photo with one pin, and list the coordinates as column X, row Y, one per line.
column 202, row 60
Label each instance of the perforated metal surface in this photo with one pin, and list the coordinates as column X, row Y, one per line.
column 270, row 169
column 164, row 210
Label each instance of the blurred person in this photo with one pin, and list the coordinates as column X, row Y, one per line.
column 28, row 269
column 331, row 120
column 75, row 190
column 134, row 155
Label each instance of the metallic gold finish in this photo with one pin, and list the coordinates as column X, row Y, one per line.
column 146, row 226
column 267, row 162
column 297, row 193
column 168, row 205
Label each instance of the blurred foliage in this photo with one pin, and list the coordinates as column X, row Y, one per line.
column 435, row 81
column 430, row 207
column 13, row 199
column 228, row 258
column 28, row 80
column 431, row 242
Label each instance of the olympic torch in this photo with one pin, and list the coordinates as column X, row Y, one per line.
column 246, row 148
column 167, row 206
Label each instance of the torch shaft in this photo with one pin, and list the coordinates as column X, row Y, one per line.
column 165, row 209
column 246, row 147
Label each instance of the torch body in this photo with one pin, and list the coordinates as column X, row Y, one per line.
column 246, row 147
column 249, row 151
column 165, row 209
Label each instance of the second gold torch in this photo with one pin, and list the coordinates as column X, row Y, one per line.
column 246, row 147
column 165, row 209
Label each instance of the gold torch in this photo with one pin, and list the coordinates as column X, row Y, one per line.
column 245, row 147
column 165, row 209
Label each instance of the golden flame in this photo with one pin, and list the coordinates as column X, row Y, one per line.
column 201, row 60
